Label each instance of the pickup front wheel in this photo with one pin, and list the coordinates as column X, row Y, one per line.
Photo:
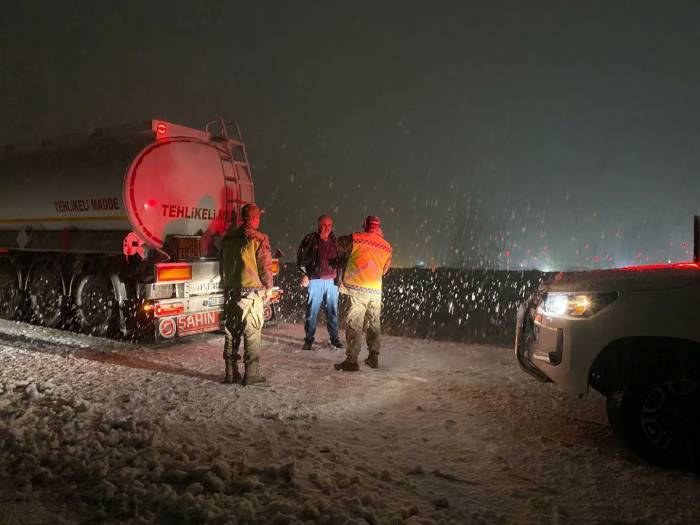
column 659, row 419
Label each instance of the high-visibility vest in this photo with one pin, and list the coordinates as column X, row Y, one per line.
column 240, row 262
column 365, row 266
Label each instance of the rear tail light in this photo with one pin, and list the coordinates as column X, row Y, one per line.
column 163, row 310
column 275, row 296
column 169, row 272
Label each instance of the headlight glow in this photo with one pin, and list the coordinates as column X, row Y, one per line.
column 577, row 305
column 556, row 304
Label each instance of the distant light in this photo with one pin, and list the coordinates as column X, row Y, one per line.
column 623, row 264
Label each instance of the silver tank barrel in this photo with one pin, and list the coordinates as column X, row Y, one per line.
column 68, row 184
column 155, row 179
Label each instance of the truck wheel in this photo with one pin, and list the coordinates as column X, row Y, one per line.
column 659, row 419
column 46, row 293
column 95, row 304
column 10, row 298
column 270, row 314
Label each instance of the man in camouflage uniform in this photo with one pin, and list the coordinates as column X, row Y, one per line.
column 247, row 269
column 368, row 257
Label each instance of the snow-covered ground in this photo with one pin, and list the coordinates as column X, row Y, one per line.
column 101, row 431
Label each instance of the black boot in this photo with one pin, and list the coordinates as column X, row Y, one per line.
column 232, row 373
column 347, row 366
column 372, row 360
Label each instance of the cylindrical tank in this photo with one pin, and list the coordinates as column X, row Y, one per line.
column 156, row 179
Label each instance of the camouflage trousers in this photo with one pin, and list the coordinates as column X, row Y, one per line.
column 243, row 319
column 362, row 313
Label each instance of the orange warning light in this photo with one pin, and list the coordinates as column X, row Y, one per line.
column 173, row 272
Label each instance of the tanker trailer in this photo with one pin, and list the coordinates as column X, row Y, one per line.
column 118, row 230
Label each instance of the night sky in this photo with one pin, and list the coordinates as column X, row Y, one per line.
column 565, row 134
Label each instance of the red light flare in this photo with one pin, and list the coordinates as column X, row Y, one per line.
column 672, row 266
column 161, row 129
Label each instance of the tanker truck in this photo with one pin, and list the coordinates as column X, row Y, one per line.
column 117, row 231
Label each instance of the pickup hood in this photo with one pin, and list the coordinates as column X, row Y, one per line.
column 634, row 278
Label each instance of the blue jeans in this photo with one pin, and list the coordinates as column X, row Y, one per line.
column 320, row 289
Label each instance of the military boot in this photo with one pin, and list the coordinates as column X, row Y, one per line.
column 232, row 373
column 347, row 366
column 372, row 360
column 253, row 375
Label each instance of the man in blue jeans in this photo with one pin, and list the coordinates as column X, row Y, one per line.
column 314, row 257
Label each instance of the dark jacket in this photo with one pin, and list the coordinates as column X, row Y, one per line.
column 308, row 260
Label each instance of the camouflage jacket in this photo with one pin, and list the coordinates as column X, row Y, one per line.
column 247, row 261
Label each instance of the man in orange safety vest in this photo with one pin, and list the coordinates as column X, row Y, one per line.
column 368, row 257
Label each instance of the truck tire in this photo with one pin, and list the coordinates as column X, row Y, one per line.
column 270, row 315
column 95, row 304
column 659, row 419
column 10, row 297
column 46, row 296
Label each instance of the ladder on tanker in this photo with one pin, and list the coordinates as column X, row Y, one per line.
column 237, row 174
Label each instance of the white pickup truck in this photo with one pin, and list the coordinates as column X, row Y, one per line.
column 633, row 334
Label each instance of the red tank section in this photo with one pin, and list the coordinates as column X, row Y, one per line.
column 176, row 186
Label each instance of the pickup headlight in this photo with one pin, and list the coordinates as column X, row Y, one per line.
column 576, row 305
